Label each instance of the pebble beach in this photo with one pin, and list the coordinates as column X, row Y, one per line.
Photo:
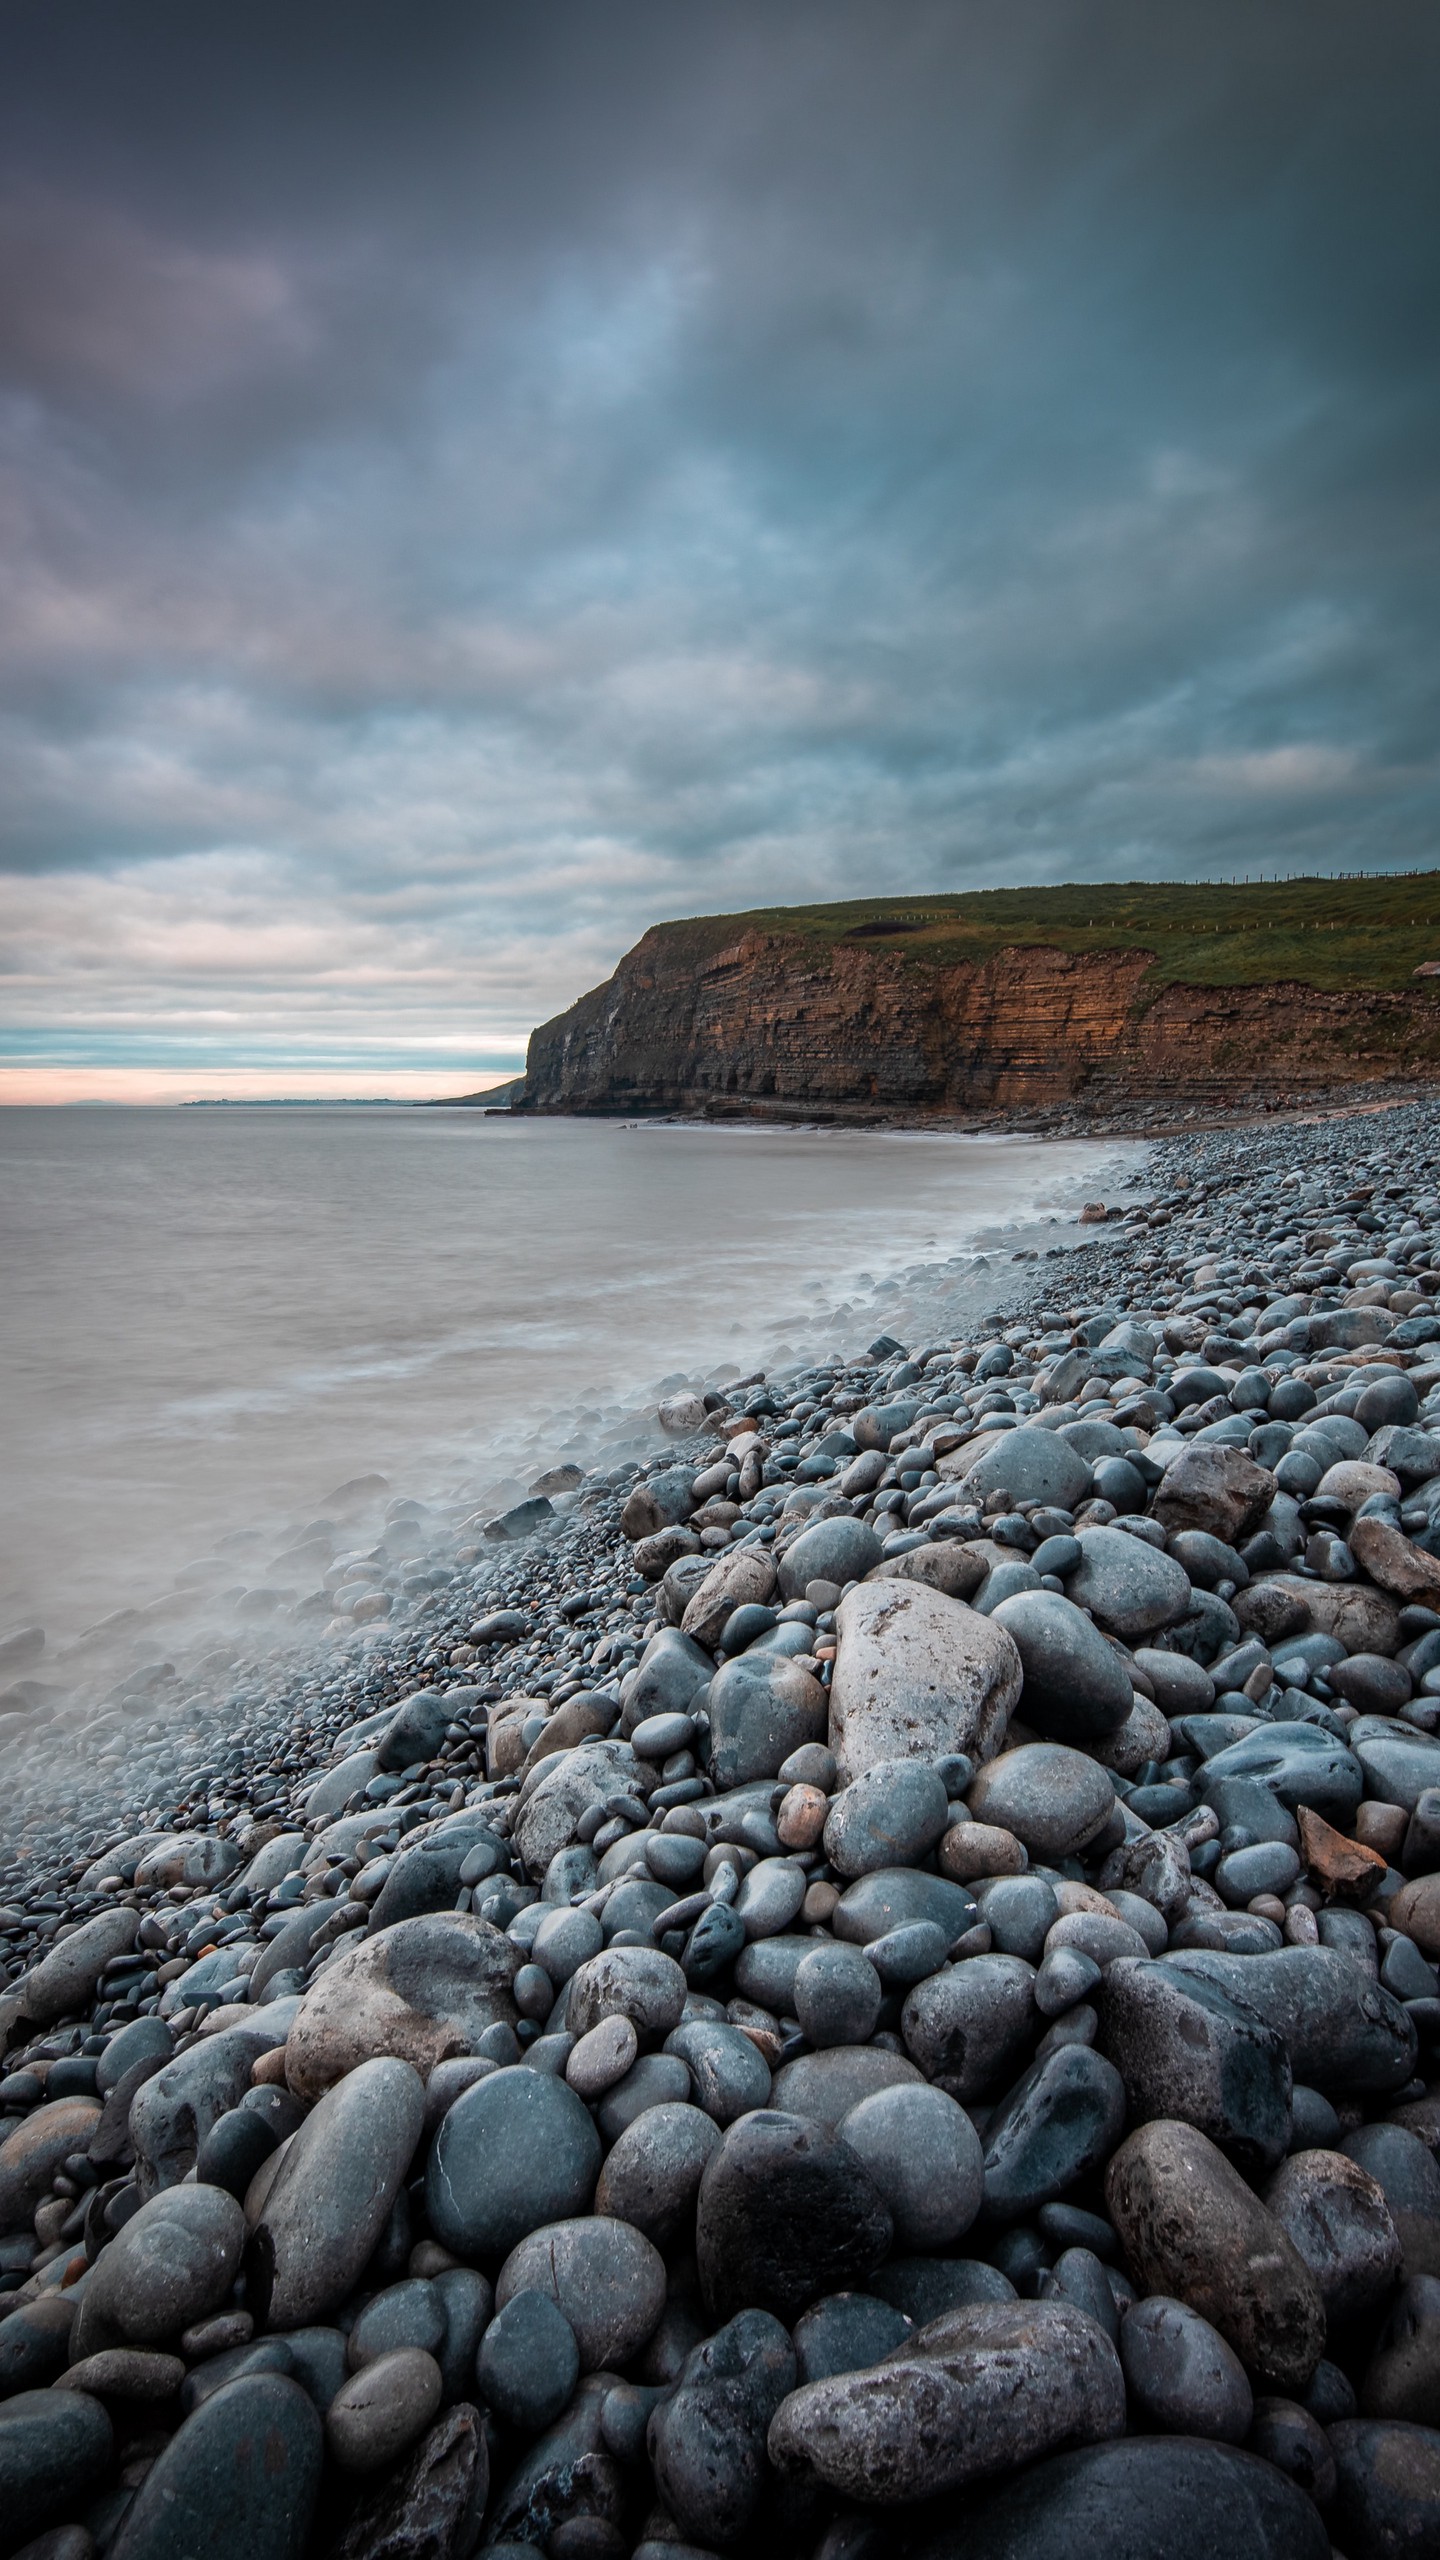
column 858, row 1980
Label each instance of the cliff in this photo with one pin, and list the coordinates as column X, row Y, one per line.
column 937, row 1010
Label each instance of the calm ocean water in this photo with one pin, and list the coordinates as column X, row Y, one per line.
column 210, row 1318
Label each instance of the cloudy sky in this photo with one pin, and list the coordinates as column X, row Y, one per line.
column 475, row 480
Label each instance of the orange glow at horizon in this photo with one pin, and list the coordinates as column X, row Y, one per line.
column 58, row 1085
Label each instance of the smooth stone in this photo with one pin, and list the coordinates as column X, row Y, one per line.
column 837, row 1995
column 466, row 2302
column 1408, row 2175
column 765, row 1972
column 826, row 2085
column 976, row 2391
column 40, row 2144
column 427, row 1878
column 1341, row 2030
column 786, row 2213
column 638, row 1983
column 233, row 2150
column 770, row 1897
column 1387, row 2499
column 415, row 1731
column 839, row 1551
column 262, row 2355
column 1051, row 1798
column 35, row 2343
column 908, row 1955
column 655, row 2080
column 144, row 2040
column 1102, row 1936
column 1066, row 1976
column 1122, row 2502
column 674, row 1859
column 713, row 1944
column 528, row 2362
column 516, row 2151
column 923, row 2288
column 1416, row 1909
column 554, row 1798
column 379, row 2413
column 762, row 1707
column 923, row 2154
column 970, row 2027
column 1033, row 1466
column 419, row 1993
column 239, row 2481
column 1192, row 2228
column 706, row 2442
column 1061, row 2119
column 846, row 2333
column 55, row 2447
column 652, row 2173
column 318, row 2361
column 671, row 1669
column 605, row 2276
column 408, row 2314
column 743, row 1579
column 728, row 2074
column 1181, row 1687
column 1221, row 1492
column 1076, row 1689
column 172, row 2263
column 1300, row 1764
column 1398, row 1766
column 1132, row 1588
column 601, row 2058
column 917, row 1675
column 895, row 1897
column 889, row 1816
column 1337, row 2217
column 1020, row 1912
column 136, row 2374
column 1187, row 2049
column 65, row 1980
column 333, row 2192
column 1402, row 2379
column 1181, row 2375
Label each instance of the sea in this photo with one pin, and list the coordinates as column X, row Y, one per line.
column 213, row 1319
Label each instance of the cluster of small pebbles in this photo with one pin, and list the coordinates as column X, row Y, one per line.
column 879, row 1998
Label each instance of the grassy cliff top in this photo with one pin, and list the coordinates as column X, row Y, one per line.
column 1363, row 933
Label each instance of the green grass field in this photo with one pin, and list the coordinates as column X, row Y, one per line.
column 1362, row 933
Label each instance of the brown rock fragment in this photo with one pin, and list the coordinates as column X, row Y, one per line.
column 1340, row 1866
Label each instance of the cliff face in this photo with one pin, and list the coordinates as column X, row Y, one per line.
column 690, row 1021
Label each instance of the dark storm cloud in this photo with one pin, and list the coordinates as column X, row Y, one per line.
column 474, row 480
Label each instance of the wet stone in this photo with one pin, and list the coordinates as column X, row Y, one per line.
column 707, row 2442
column 1180, row 2373
column 837, row 1995
column 382, row 2410
column 55, row 2447
column 652, row 2174
column 529, row 2362
column 787, row 2212
column 240, row 2479
column 606, row 2277
column 887, row 1817
column 923, row 2154
column 1052, row 1798
column 516, row 2151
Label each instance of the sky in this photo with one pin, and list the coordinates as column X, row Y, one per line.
column 478, row 480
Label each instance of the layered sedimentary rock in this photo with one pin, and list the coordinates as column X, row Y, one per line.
column 698, row 1018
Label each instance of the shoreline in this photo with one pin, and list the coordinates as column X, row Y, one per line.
column 530, row 1729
